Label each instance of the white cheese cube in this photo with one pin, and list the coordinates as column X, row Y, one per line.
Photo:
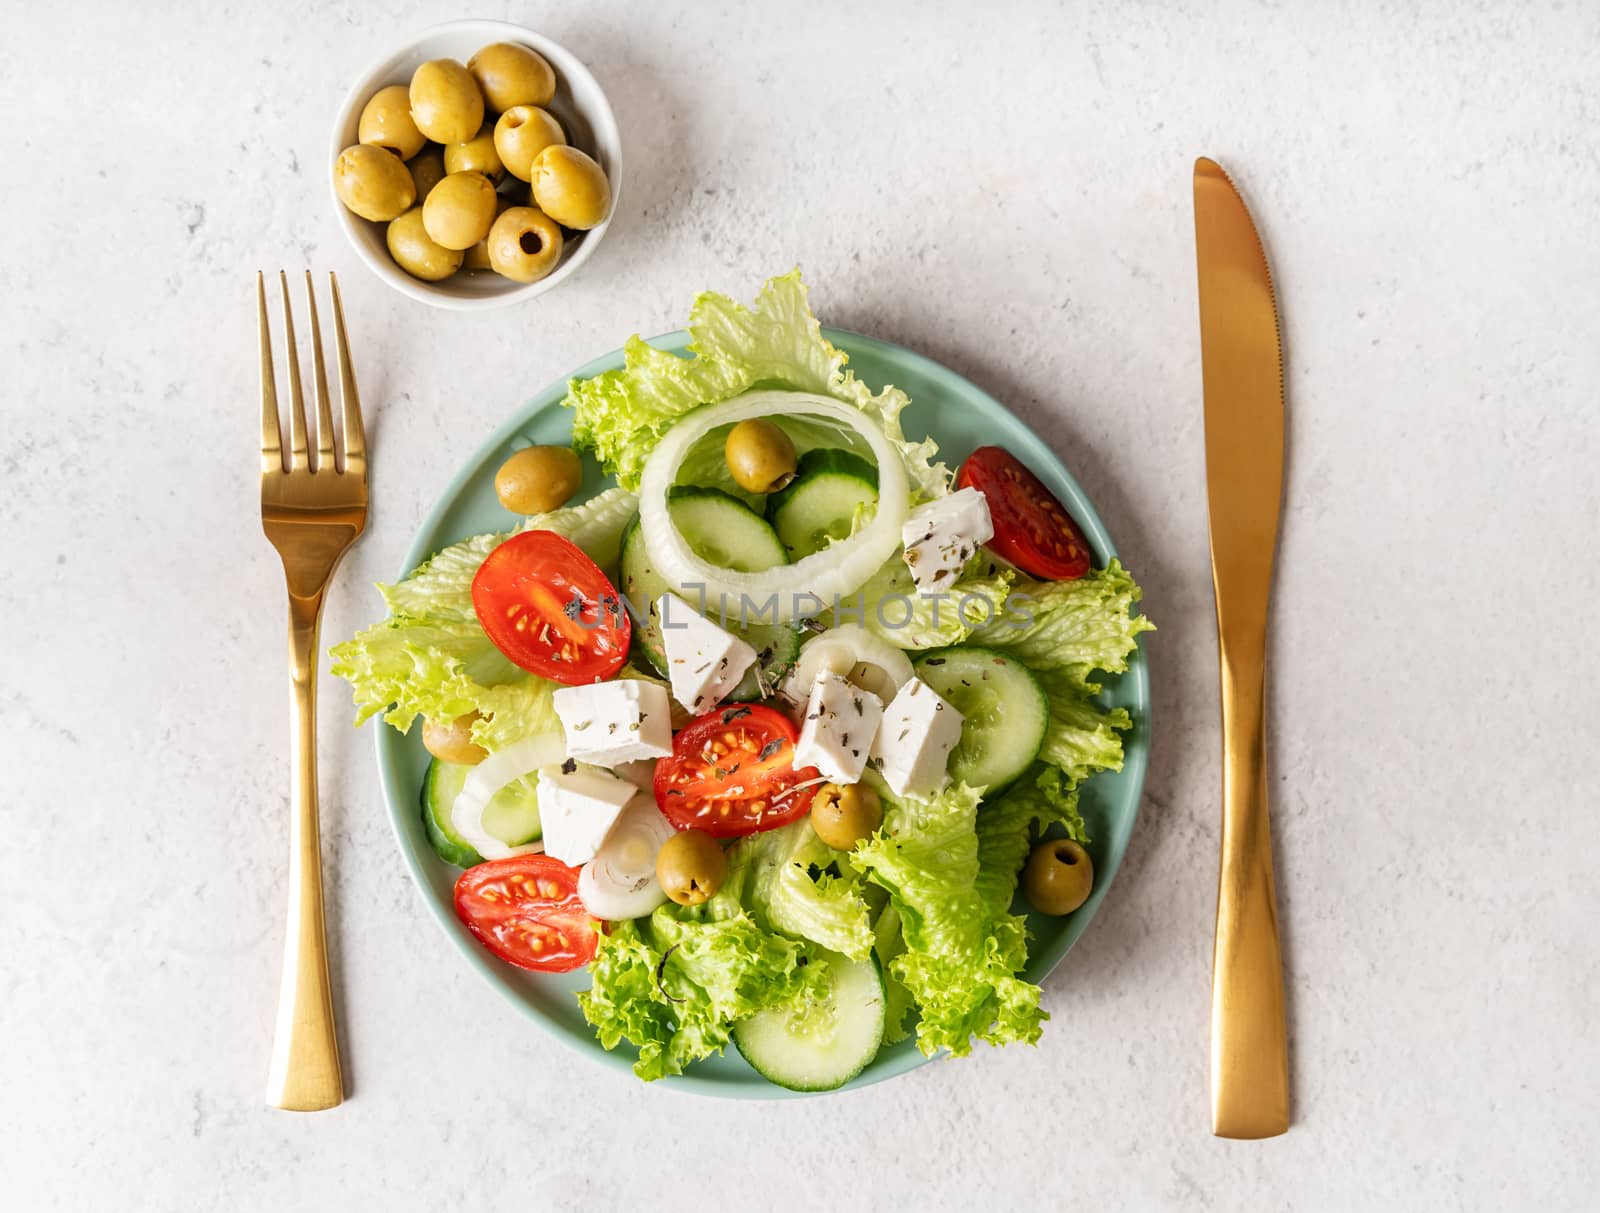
column 840, row 724
column 918, row 731
column 704, row 662
column 941, row 536
column 577, row 809
column 608, row 723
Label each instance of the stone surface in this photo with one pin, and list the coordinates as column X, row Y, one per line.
column 1006, row 190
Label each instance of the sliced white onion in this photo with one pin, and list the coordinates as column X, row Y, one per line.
column 808, row 586
column 855, row 654
column 620, row 881
column 492, row 774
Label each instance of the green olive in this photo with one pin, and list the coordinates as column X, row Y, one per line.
column 843, row 816
column 477, row 257
column 538, row 479
column 761, row 457
column 512, row 75
column 386, row 121
column 427, row 169
column 524, row 244
column 445, row 102
column 521, row 133
column 415, row 253
column 571, row 188
column 459, row 211
column 691, row 867
column 451, row 740
column 1058, row 876
column 373, row 183
column 476, row 155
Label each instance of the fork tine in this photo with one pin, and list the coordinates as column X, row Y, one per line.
column 355, row 434
column 298, row 460
column 320, row 378
column 271, row 442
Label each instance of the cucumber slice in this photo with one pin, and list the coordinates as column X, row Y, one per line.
column 512, row 816
column 810, row 1046
column 440, row 787
column 723, row 529
column 1003, row 707
column 819, row 505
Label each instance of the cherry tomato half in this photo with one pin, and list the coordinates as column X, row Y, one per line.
column 732, row 772
column 550, row 609
column 526, row 911
column 1031, row 528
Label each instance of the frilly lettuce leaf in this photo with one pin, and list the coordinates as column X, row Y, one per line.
column 961, row 957
column 620, row 415
column 1075, row 626
column 430, row 657
column 674, row 984
column 792, row 884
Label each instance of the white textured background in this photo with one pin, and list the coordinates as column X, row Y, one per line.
column 1007, row 189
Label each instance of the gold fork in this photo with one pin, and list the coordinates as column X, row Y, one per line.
column 312, row 511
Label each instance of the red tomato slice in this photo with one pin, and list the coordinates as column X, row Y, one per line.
column 732, row 772
column 526, row 911
column 1031, row 528
column 550, row 609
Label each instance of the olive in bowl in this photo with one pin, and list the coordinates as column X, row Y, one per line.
column 459, row 210
column 445, row 102
column 373, row 182
column 524, row 244
column 416, row 252
column 570, row 187
column 521, row 134
column 510, row 67
column 510, row 75
column 386, row 122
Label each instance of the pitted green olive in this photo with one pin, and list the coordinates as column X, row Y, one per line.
column 445, row 102
column 761, row 457
column 843, row 815
column 1058, row 876
column 691, row 867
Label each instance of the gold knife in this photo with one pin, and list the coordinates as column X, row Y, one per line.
column 1242, row 360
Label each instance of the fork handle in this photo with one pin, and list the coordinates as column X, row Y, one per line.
column 305, row 1074
column 1249, row 1054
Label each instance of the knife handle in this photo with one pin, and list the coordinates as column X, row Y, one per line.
column 1249, row 1048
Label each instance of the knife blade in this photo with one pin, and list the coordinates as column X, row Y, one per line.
column 1242, row 371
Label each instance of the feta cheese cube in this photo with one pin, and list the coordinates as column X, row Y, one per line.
column 840, row 724
column 918, row 731
column 577, row 809
column 608, row 723
column 941, row 536
column 704, row 662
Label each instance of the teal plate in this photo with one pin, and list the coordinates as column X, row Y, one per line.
column 960, row 418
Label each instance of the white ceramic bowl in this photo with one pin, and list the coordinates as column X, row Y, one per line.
column 580, row 106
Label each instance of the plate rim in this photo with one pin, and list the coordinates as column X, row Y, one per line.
column 388, row 740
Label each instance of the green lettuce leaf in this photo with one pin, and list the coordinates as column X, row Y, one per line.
column 1076, row 626
column 792, row 885
column 890, row 605
column 674, row 984
column 431, row 658
column 961, row 957
column 622, row 414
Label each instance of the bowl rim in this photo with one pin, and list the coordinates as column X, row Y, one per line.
column 602, row 120
column 387, row 743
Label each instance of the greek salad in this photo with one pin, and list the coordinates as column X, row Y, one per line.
column 769, row 734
